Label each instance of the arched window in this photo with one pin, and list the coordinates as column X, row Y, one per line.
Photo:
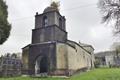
column 45, row 21
column 60, row 22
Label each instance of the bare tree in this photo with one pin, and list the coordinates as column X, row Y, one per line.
column 110, row 10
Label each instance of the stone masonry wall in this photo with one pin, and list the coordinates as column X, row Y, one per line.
column 72, row 58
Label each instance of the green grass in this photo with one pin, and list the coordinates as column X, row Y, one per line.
column 96, row 74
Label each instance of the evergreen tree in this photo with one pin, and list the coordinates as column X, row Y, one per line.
column 5, row 27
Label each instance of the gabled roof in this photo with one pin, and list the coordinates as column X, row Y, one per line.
column 79, row 46
column 86, row 45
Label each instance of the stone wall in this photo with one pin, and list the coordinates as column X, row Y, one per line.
column 25, row 58
column 78, row 58
column 91, row 51
column 61, row 56
column 72, row 58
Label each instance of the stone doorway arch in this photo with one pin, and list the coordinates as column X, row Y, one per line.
column 41, row 65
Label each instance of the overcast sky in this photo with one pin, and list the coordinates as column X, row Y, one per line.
column 83, row 22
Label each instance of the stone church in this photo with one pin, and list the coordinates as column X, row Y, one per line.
column 51, row 52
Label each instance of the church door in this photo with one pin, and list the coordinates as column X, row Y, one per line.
column 41, row 65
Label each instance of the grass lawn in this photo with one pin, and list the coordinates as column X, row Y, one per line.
column 96, row 74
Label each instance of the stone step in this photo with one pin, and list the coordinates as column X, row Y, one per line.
column 41, row 75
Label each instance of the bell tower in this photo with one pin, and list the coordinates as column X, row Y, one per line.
column 49, row 26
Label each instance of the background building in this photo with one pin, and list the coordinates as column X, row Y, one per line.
column 10, row 65
column 108, row 58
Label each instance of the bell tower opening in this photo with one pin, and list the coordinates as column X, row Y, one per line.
column 45, row 21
